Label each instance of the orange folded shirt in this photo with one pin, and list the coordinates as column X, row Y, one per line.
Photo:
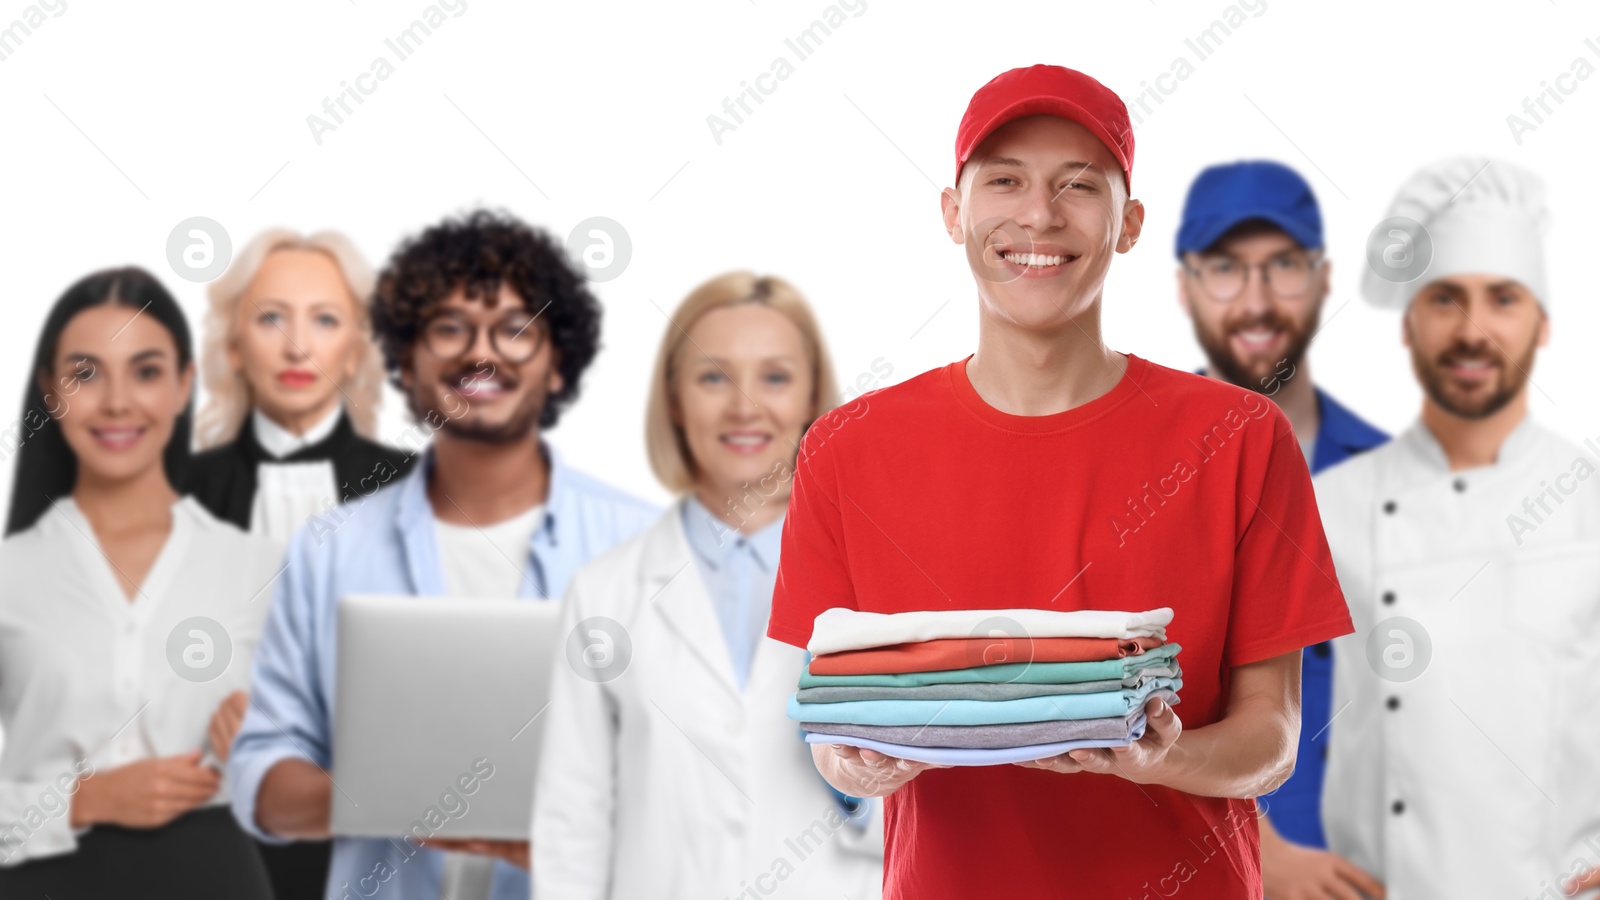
column 962, row 653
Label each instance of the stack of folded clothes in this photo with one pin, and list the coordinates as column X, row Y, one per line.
column 984, row 687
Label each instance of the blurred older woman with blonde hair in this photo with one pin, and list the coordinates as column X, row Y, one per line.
column 292, row 381
column 672, row 771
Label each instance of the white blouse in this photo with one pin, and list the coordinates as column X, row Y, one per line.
column 289, row 493
column 90, row 680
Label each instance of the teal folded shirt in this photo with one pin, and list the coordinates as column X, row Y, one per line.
column 1006, row 673
column 979, row 712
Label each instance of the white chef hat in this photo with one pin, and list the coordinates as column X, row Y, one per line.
column 1477, row 216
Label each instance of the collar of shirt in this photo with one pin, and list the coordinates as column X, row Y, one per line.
column 416, row 522
column 280, row 442
column 414, row 509
column 1341, row 434
column 714, row 542
column 186, row 513
column 65, row 521
column 1425, row 451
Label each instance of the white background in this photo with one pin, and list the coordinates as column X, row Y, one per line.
column 122, row 119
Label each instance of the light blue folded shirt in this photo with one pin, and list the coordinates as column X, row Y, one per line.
column 980, row 712
column 962, row 756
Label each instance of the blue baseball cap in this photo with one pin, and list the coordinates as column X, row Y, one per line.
column 1223, row 196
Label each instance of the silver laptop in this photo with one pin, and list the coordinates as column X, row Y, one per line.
column 438, row 715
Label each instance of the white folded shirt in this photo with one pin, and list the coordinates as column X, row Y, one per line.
column 838, row 629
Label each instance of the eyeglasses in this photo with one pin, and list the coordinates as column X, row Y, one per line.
column 1287, row 275
column 515, row 337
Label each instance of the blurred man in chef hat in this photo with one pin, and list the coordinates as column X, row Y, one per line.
column 1252, row 276
column 1462, row 759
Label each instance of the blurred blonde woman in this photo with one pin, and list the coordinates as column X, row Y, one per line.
column 671, row 771
column 293, row 382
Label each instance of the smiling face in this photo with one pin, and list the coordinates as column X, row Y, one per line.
column 456, row 376
column 117, row 390
column 1259, row 333
column 742, row 390
column 1041, row 208
column 1472, row 340
column 296, row 337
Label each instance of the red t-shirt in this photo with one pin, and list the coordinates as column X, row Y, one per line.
column 1170, row 490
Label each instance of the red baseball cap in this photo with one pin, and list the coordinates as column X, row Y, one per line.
column 1054, row 91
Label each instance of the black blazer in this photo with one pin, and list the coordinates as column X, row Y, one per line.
column 223, row 478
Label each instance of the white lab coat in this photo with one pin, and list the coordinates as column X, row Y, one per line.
column 668, row 782
column 1479, row 777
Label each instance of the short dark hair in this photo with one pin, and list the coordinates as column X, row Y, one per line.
column 480, row 252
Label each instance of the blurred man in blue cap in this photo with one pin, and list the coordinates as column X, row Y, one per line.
column 1252, row 277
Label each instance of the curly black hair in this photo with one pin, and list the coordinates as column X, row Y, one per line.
column 480, row 252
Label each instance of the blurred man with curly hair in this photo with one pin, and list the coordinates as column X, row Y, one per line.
column 487, row 330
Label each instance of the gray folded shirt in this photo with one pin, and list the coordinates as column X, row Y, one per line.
column 978, row 690
column 996, row 737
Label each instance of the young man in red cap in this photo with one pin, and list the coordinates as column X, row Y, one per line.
column 1069, row 476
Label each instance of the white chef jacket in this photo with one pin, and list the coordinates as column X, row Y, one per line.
column 1480, row 776
column 86, row 681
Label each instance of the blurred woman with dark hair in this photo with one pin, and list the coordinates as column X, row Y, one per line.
column 127, row 616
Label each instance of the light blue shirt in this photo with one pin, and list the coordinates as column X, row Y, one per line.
column 739, row 572
column 386, row 543
column 1058, row 707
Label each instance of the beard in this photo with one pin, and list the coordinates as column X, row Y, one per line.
column 1260, row 375
column 1439, row 386
column 449, row 410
